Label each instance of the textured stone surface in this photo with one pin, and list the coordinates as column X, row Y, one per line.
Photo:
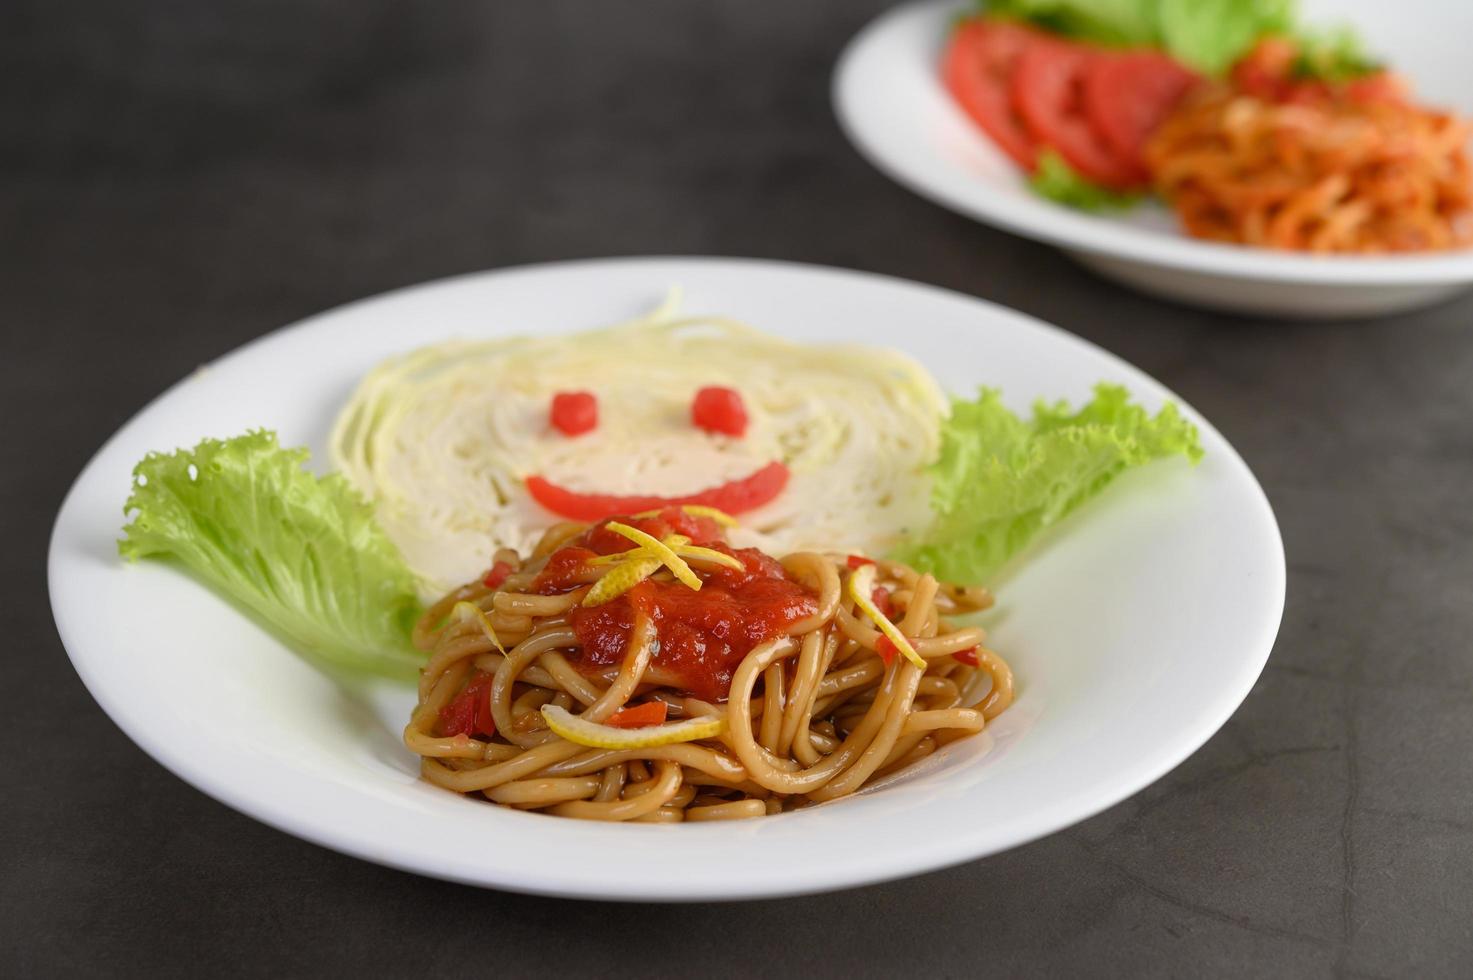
column 177, row 178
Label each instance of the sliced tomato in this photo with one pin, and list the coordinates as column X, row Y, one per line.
column 734, row 496
column 977, row 68
column 1126, row 96
column 1047, row 91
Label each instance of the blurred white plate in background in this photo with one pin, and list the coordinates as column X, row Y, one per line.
column 890, row 101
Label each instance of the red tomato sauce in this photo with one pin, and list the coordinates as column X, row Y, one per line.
column 704, row 634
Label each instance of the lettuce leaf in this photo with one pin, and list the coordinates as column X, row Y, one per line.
column 1208, row 35
column 1118, row 22
column 1000, row 479
column 1333, row 55
column 1059, row 182
column 304, row 554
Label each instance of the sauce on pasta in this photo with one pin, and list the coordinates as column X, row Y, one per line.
column 1307, row 165
column 701, row 635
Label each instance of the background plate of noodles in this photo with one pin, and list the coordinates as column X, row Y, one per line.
column 1134, row 632
column 890, row 97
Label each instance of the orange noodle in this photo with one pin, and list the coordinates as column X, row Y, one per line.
column 592, row 680
column 1330, row 173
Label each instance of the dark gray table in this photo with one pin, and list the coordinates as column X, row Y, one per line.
column 178, row 177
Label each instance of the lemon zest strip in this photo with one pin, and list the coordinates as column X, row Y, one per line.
column 695, row 510
column 580, row 731
column 621, row 579
column 861, row 583
column 663, row 551
column 711, row 555
column 675, row 541
column 466, row 611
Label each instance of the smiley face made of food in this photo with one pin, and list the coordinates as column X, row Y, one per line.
column 471, row 446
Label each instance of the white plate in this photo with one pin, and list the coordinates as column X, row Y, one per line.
column 1134, row 633
column 890, row 101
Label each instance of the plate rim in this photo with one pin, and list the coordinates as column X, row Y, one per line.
column 927, row 856
column 1063, row 228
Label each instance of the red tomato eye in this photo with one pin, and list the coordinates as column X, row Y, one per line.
column 718, row 409
column 574, row 412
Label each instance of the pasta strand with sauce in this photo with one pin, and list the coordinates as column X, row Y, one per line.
column 793, row 689
column 1333, row 176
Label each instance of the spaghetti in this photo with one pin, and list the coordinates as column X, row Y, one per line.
column 549, row 683
column 1333, row 174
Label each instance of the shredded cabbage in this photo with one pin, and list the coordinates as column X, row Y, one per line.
column 441, row 440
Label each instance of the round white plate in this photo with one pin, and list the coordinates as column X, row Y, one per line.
column 890, row 100
column 1134, row 631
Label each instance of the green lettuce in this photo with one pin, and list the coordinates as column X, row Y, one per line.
column 303, row 554
column 1116, row 22
column 1333, row 55
column 1208, row 35
column 1001, row 479
column 1057, row 181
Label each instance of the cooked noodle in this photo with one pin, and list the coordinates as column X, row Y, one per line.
column 1338, row 175
column 813, row 713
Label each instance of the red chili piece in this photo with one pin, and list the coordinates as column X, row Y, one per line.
column 469, row 712
column 574, row 412
column 881, row 598
column 858, row 561
column 639, row 716
column 499, row 573
column 886, row 649
column 968, row 657
column 718, row 409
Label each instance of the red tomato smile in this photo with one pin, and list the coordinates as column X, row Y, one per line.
column 733, row 496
